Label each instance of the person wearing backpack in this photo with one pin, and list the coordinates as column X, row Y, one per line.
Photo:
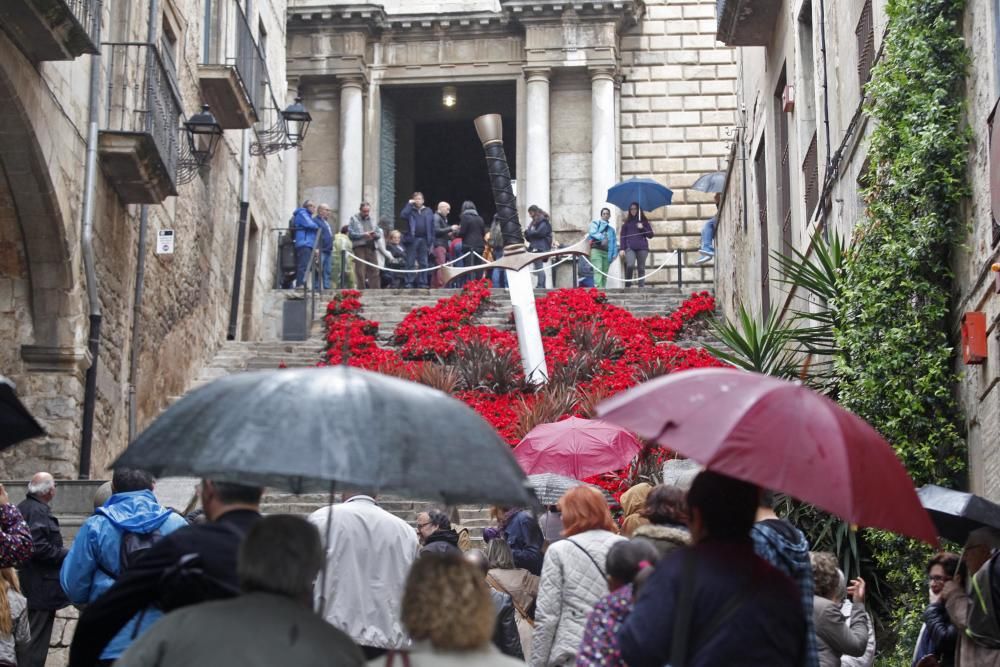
column 971, row 601
column 111, row 541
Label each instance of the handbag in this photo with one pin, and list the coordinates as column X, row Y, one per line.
column 603, row 243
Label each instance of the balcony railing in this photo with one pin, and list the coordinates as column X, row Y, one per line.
column 52, row 29
column 139, row 141
column 233, row 74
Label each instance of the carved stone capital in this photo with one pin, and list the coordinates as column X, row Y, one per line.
column 532, row 74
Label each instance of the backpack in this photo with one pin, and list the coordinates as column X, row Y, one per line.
column 984, row 625
column 133, row 546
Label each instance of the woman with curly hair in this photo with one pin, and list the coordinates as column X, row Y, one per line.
column 449, row 614
column 834, row 637
column 573, row 577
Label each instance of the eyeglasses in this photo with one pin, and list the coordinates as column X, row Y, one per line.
column 423, row 525
column 937, row 578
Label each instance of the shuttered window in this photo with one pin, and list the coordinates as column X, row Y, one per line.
column 865, row 33
column 994, row 125
column 760, row 175
column 810, row 178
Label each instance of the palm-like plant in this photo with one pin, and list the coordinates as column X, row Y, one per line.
column 763, row 347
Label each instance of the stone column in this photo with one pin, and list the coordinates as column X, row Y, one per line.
column 291, row 158
column 604, row 170
column 352, row 132
column 534, row 189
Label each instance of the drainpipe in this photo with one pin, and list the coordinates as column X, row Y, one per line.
column 89, row 265
column 241, row 235
column 140, row 272
column 133, row 366
column 241, row 230
column 826, row 86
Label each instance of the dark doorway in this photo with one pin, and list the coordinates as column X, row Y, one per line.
column 434, row 149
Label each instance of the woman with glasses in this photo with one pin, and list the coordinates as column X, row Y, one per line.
column 937, row 635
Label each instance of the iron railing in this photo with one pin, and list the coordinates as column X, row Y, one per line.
column 88, row 14
column 143, row 98
column 231, row 43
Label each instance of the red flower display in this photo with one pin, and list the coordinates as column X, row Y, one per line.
column 574, row 323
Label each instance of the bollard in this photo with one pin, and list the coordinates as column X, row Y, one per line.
column 680, row 279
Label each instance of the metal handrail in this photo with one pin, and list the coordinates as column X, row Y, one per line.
column 310, row 291
column 143, row 97
column 88, row 14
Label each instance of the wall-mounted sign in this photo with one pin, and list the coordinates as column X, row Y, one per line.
column 165, row 242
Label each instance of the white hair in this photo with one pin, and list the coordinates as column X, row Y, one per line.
column 42, row 487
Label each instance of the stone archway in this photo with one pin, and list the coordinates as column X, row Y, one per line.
column 49, row 244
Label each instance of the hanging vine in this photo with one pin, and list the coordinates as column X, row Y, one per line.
column 897, row 366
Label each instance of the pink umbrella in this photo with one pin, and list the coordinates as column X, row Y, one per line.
column 779, row 435
column 576, row 448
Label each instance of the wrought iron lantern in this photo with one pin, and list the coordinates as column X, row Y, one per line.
column 204, row 133
column 297, row 121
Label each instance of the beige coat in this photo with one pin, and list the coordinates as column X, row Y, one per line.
column 633, row 502
column 522, row 586
column 968, row 653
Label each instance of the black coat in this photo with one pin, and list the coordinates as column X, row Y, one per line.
column 442, row 541
column 505, row 634
column 472, row 231
column 40, row 575
column 216, row 543
column 539, row 236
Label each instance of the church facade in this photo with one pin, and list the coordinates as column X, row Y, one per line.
column 591, row 93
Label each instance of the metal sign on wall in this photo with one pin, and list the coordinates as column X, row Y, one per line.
column 165, row 242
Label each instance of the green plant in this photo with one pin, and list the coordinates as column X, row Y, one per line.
column 763, row 347
column 896, row 368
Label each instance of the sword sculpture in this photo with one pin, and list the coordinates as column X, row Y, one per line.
column 515, row 258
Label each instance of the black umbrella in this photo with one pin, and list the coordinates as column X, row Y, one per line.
column 306, row 430
column 957, row 513
column 16, row 423
column 550, row 487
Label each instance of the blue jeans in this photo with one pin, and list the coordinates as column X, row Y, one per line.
column 499, row 276
column 302, row 255
column 708, row 236
column 416, row 256
column 327, row 268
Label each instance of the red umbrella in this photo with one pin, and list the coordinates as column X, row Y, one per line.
column 576, row 448
column 779, row 435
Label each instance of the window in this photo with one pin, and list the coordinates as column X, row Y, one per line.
column 760, row 173
column 784, row 171
column 810, row 178
column 168, row 47
column 262, row 38
column 865, row 33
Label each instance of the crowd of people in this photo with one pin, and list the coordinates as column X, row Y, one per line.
column 707, row 575
column 404, row 253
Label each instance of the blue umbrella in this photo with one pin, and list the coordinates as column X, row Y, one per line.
column 713, row 182
column 646, row 192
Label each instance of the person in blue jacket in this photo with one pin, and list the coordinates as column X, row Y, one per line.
column 306, row 229
column 520, row 530
column 603, row 246
column 94, row 561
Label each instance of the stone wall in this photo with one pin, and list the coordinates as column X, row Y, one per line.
column 677, row 102
column 186, row 296
column 739, row 260
column 570, row 129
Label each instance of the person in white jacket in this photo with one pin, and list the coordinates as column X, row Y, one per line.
column 368, row 557
column 573, row 577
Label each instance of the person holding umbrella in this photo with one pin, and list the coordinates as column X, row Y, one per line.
column 636, row 232
column 603, row 246
column 707, row 249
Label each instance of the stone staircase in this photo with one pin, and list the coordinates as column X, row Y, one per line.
column 388, row 308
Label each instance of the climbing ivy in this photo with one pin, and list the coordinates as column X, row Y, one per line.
column 897, row 366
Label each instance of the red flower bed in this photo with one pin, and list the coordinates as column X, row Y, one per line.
column 580, row 329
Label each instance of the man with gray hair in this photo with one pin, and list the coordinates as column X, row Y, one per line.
column 365, row 235
column 271, row 623
column 40, row 575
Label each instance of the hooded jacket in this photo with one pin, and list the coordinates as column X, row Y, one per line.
column 633, row 502
column 664, row 538
column 441, row 541
column 785, row 547
column 601, row 230
column 97, row 551
column 306, row 228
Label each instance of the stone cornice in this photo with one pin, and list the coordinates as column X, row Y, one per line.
column 625, row 13
column 367, row 17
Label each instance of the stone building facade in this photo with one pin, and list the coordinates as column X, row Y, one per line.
column 591, row 92
column 160, row 60
column 776, row 200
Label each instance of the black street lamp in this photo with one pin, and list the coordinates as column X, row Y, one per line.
column 204, row 133
column 297, row 121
